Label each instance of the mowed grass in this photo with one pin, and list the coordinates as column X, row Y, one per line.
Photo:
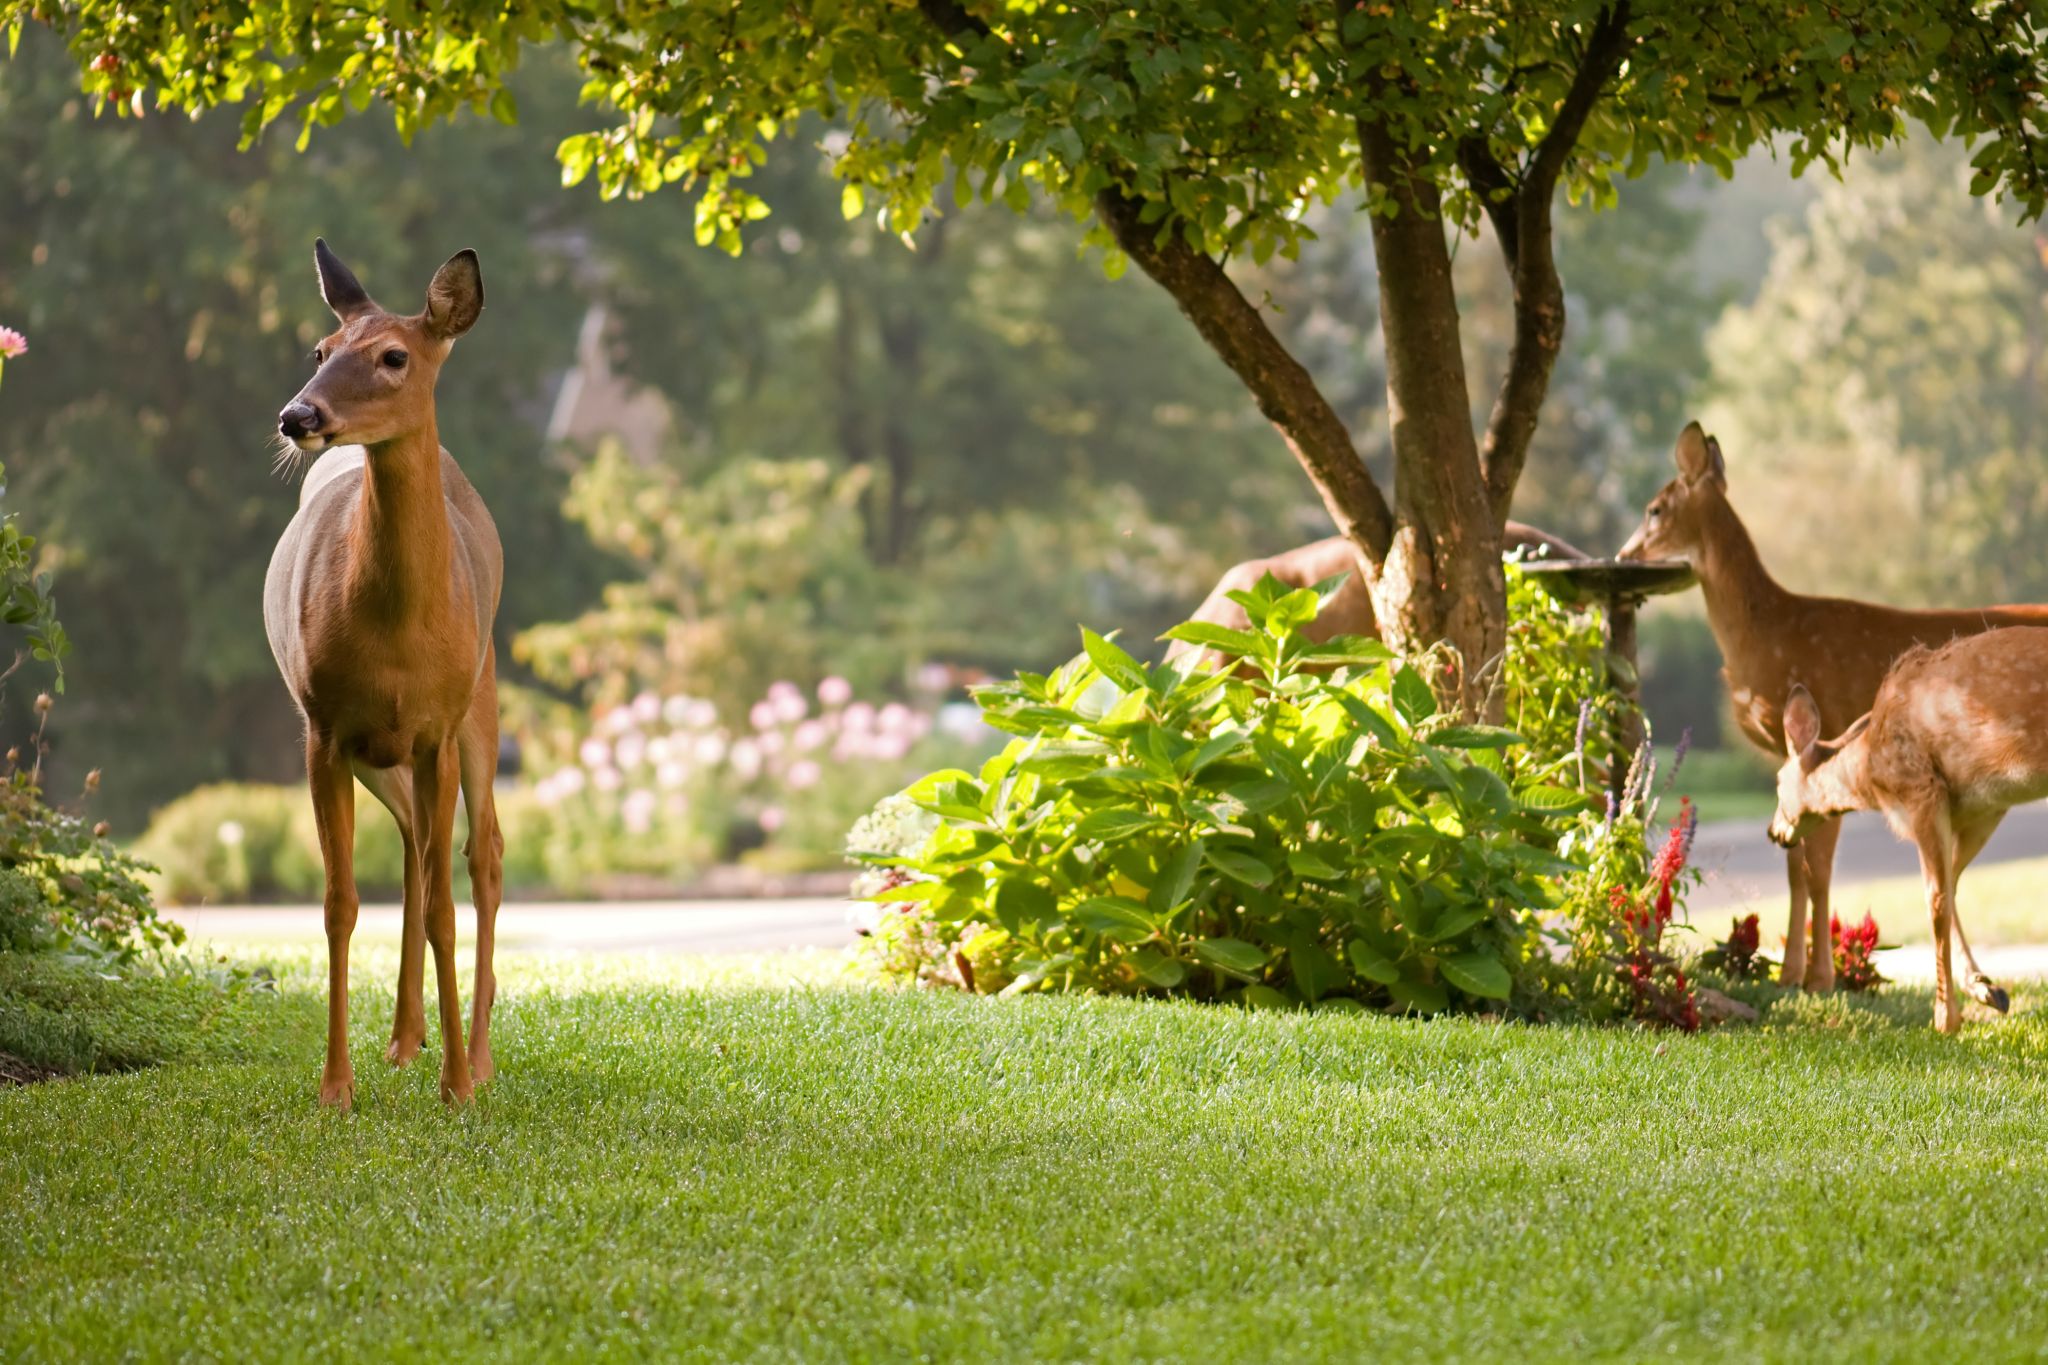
column 758, row 1160
column 2000, row 903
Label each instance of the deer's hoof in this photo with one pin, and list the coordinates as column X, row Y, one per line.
column 1990, row 993
column 339, row 1093
column 402, row 1050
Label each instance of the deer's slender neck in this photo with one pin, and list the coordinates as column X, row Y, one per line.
column 1838, row 784
column 1740, row 592
column 399, row 540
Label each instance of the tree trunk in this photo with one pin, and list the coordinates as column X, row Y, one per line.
column 1442, row 578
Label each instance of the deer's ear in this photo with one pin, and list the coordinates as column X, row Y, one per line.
column 338, row 284
column 1699, row 457
column 456, row 297
column 1802, row 721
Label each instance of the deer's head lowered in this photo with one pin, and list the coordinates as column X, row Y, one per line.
column 375, row 377
column 1672, row 522
column 1811, row 785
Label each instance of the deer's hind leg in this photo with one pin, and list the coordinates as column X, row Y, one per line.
column 1970, row 841
column 1936, row 840
column 393, row 789
column 478, row 743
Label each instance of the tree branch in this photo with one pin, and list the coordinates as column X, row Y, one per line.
column 1527, row 246
column 1284, row 390
column 1495, row 189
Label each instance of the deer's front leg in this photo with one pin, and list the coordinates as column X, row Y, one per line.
column 334, row 816
column 435, row 780
column 1819, row 848
column 1793, row 972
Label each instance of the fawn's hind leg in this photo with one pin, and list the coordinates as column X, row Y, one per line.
column 1970, row 841
column 393, row 789
column 478, row 742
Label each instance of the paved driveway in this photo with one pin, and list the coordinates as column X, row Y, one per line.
column 1739, row 862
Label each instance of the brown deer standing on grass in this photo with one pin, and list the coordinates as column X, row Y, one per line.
column 1772, row 640
column 379, row 605
column 1350, row 611
column 1956, row 738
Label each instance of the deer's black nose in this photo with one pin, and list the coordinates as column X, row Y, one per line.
column 299, row 419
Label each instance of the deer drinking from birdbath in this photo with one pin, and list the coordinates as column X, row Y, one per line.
column 1772, row 639
column 1956, row 738
column 379, row 605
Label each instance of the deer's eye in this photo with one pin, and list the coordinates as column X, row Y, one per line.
column 319, row 356
column 1655, row 511
column 394, row 359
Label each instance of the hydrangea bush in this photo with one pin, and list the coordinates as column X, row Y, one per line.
column 1305, row 829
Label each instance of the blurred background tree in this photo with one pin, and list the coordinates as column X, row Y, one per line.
column 833, row 456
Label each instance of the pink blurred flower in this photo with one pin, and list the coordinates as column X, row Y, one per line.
column 702, row 714
column 12, row 343
column 835, row 691
column 569, row 781
column 595, row 753
column 746, row 759
column 762, row 715
column 710, row 749
column 631, row 748
column 895, row 718
column 788, row 702
column 809, row 735
column 607, row 779
column 859, row 716
column 772, row 818
column 934, row 678
column 676, row 710
column 671, row 774
column 803, row 775
column 770, row 741
column 646, row 708
column 637, row 811
column 889, row 746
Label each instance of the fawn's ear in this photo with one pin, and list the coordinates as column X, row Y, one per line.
column 338, row 284
column 455, row 298
column 1802, row 721
column 1699, row 457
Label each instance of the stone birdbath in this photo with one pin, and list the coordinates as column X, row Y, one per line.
column 1619, row 586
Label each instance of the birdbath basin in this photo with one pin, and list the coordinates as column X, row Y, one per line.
column 1619, row 586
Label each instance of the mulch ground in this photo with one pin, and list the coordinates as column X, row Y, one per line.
column 14, row 1071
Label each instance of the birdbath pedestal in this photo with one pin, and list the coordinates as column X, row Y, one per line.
column 1619, row 586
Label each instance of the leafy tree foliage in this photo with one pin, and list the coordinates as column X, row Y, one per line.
column 1190, row 133
column 1884, row 389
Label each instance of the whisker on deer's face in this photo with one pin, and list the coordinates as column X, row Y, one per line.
column 287, row 459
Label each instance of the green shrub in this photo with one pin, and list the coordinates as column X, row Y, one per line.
column 92, row 894
column 238, row 842
column 1302, row 836
column 72, row 1015
column 24, row 916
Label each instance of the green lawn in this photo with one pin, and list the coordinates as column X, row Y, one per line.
column 2000, row 903
column 756, row 1160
